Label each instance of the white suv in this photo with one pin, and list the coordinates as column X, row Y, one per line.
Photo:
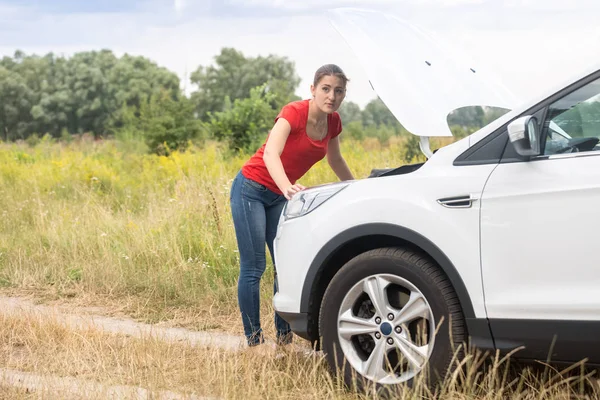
column 491, row 240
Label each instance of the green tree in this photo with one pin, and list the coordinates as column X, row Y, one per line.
column 135, row 79
column 245, row 124
column 376, row 113
column 354, row 129
column 41, row 76
column 493, row 113
column 349, row 112
column 168, row 123
column 14, row 106
column 234, row 76
column 467, row 117
column 413, row 153
column 83, row 93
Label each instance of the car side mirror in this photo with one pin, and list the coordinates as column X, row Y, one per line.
column 525, row 136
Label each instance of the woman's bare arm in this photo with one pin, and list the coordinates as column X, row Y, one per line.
column 336, row 160
column 271, row 156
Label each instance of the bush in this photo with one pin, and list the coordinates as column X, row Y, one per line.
column 245, row 124
column 65, row 136
column 413, row 152
column 33, row 140
column 165, row 123
column 354, row 129
column 169, row 124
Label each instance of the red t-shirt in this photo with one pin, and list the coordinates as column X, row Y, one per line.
column 300, row 151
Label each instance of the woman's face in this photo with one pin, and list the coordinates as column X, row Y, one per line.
column 329, row 93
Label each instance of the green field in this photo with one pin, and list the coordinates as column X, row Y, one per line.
column 106, row 223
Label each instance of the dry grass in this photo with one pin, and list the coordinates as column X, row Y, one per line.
column 93, row 225
column 10, row 393
column 46, row 347
column 147, row 236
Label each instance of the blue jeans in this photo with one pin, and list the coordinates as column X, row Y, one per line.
column 256, row 211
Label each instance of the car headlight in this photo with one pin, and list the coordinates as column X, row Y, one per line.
column 306, row 201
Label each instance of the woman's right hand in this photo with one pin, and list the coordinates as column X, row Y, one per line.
column 292, row 190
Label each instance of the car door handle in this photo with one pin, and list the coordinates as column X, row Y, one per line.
column 457, row 201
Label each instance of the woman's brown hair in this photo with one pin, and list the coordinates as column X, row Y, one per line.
column 330, row 70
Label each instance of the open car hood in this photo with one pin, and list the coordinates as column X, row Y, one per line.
column 418, row 80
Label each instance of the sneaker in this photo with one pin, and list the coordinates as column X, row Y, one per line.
column 285, row 339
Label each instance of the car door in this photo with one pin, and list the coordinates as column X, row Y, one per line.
column 540, row 235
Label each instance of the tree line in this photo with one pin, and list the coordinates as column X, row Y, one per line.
column 132, row 98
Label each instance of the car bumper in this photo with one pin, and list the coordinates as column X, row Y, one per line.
column 294, row 249
column 298, row 322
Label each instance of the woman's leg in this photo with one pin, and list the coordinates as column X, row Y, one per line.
column 249, row 220
column 273, row 212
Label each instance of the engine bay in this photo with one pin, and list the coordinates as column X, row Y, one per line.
column 404, row 169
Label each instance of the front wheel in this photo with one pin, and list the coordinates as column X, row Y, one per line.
column 388, row 316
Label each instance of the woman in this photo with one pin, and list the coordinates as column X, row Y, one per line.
column 304, row 132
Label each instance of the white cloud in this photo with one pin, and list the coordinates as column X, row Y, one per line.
column 8, row 11
column 529, row 49
column 179, row 5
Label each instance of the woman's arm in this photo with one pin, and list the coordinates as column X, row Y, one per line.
column 271, row 156
column 336, row 161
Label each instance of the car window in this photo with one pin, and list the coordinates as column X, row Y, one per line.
column 573, row 122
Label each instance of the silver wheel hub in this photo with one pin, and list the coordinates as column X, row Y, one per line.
column 386, row 329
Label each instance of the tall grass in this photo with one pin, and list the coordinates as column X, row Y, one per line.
column 44, row 346
column 106, row 218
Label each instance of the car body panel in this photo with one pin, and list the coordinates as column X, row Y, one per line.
column 409, row 201
column 538, row 236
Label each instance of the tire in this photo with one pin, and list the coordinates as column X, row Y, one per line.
column 355, row 341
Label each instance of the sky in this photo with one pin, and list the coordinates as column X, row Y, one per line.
column 528, row 43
